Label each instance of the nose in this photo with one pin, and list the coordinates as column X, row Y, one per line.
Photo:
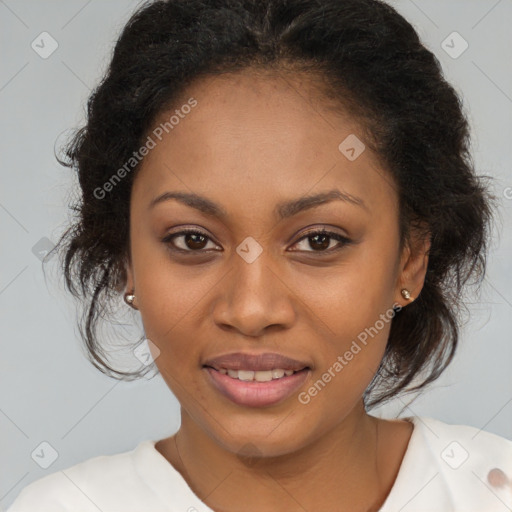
column 255, row 298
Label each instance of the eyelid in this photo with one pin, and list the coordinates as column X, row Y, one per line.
column 168, row 239
column 340, row 238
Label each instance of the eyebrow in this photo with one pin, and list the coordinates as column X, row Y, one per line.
column 283, row 210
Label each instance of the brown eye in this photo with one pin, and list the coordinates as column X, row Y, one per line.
column 195, row 241
column 320, row 241
column 189, row 241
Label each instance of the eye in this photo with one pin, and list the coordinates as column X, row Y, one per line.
column 320, row 241
column 192, row 240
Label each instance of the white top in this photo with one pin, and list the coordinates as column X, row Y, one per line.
column 446, row 467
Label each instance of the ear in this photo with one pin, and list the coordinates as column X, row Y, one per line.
column 413, row 265
column 130, row 281
column 125, row 281
column 128, row 286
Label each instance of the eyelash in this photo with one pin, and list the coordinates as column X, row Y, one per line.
column 344, row 241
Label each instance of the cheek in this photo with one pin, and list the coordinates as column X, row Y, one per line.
column 170, row 299
column 349, row 297
column 351, row 304
column 345, row 368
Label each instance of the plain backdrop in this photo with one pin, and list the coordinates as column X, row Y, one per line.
column 49, row 392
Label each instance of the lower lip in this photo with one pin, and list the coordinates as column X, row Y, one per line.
column 257, row 394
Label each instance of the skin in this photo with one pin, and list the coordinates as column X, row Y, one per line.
column 252, row 142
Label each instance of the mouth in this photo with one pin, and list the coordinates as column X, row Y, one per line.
column 256, row 380
column 245, row 362
column 257, row 375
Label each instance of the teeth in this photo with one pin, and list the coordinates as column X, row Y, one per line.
column 258, row 376
column 245, row 375
column 277, row 374
column 263, row 376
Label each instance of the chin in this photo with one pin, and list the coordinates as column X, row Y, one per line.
column 263, row 434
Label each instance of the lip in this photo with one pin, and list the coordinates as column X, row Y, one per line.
column 252, row 393
column 257, row 394
column 255, row 362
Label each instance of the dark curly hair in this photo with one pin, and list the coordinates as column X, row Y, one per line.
column 372, row 63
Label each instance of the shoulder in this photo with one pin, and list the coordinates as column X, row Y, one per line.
column 464, row 445
column 455, row 467
column 104, row 479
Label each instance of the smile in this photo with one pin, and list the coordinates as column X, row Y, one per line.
column 258, row 375
column 252, row 388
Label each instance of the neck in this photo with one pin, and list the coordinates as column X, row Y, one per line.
column 337, row 471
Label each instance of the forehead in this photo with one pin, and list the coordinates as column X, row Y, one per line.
column 258, row 110
column 265, row 134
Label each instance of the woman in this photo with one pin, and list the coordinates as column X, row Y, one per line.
column 284, row 192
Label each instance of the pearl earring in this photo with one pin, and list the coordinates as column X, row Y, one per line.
column 129, row 298
column 406, row 294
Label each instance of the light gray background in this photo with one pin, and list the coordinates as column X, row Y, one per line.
column 48, row 390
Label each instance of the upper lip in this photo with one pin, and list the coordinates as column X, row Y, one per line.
column 255, row 362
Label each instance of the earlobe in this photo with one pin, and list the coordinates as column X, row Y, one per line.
column 129, row 288
column 414, row 270
column 129, row 277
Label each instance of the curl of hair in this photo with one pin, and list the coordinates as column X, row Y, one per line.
column 372, row 64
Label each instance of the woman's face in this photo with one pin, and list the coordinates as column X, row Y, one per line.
column 247, row 159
